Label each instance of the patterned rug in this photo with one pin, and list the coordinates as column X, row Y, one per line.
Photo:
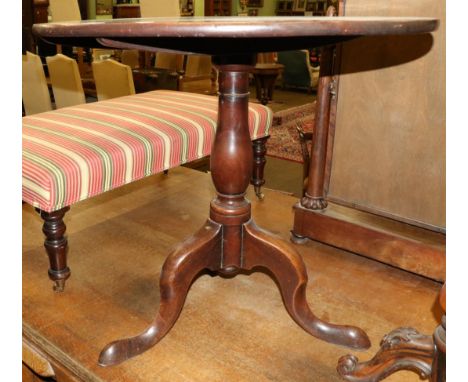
column 284, row 139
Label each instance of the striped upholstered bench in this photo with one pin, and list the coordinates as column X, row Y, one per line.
column 75, row 153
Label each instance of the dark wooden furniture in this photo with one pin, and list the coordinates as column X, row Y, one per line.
column 218, row 7
column 33, row 12
column 151, row 79
column 265, row 76
column 115, row 292
column 382, row 195
column 125, row 11
column 403, row 349
column 230, row 242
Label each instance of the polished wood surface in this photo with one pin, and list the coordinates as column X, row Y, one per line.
column 206, row 35
column 56, row 246
column 230, row 242
column 402, row 245
column 119, row 241
column 389, row 149
column 372, row 164
column 402, row 349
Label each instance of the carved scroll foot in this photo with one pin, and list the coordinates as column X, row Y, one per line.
column 401, row 349
column 56, row 246
column 263, row 249
column 259, row 153
column 313, row 203
column 199, row 252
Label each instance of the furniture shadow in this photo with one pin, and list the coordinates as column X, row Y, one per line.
column 378, row 52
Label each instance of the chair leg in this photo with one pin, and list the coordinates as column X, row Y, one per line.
column 56, row 246
column 259, row 153
column 303, row 139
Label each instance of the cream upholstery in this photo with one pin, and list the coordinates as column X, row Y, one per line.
column 36, row 97
column 112, row 79
column 158, row 8
column 170, row 61
column 200, row 73
column 67, row 10
column 166, row 8
column 198, row 65
column 64, row 10
column 101, row 54
column 66, row 81
column 130, row 57
column 313, row 71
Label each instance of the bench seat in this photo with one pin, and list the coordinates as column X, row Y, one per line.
column 74, row 153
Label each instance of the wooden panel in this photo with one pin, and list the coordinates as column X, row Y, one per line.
column 36, row 361
column 402, row 245
column 389, row 149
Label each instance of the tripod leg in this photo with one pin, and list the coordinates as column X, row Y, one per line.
column 263, row 249
column 200, row 251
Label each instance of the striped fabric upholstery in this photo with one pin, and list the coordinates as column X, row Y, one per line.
column 74, row 153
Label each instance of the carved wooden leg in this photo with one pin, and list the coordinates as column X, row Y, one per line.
column 401, row 349
column 229, row 241
column 263, row 249
column 259, row 152
column 314, row 197
column 56, row 246
column 199, row 252
column 438, row 366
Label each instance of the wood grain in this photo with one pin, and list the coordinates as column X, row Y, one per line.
column 119, row 241
column 402, row 245
column 209, row 35
column 389, row 146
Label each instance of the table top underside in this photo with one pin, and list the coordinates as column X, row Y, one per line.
column 227, row 35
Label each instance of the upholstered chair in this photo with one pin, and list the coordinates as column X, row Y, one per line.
column 298, row 73
column 167, row 8
column 36, row 96
column 130, row 57
column 199, row 72
column 66, row 81
column 112, row 79
column 67, row 10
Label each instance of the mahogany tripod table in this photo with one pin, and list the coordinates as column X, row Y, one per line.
column 230, row 241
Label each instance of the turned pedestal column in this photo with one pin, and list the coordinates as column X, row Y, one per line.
column 230, row 242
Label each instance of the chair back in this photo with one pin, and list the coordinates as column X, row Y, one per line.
column 198, row 66
column 296, row 71
column 66, row 81
column 157, row 8
column 169, row 61
column 64, row 10
column 130, row 57
column 36, row 97
column 112, row 79
column 166, row 8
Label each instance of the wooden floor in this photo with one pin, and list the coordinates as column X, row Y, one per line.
column 230, row 329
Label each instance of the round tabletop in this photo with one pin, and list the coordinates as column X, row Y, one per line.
column 209, row 35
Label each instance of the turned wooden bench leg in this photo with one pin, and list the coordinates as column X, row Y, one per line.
column 259, row 160
column 56, row 245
